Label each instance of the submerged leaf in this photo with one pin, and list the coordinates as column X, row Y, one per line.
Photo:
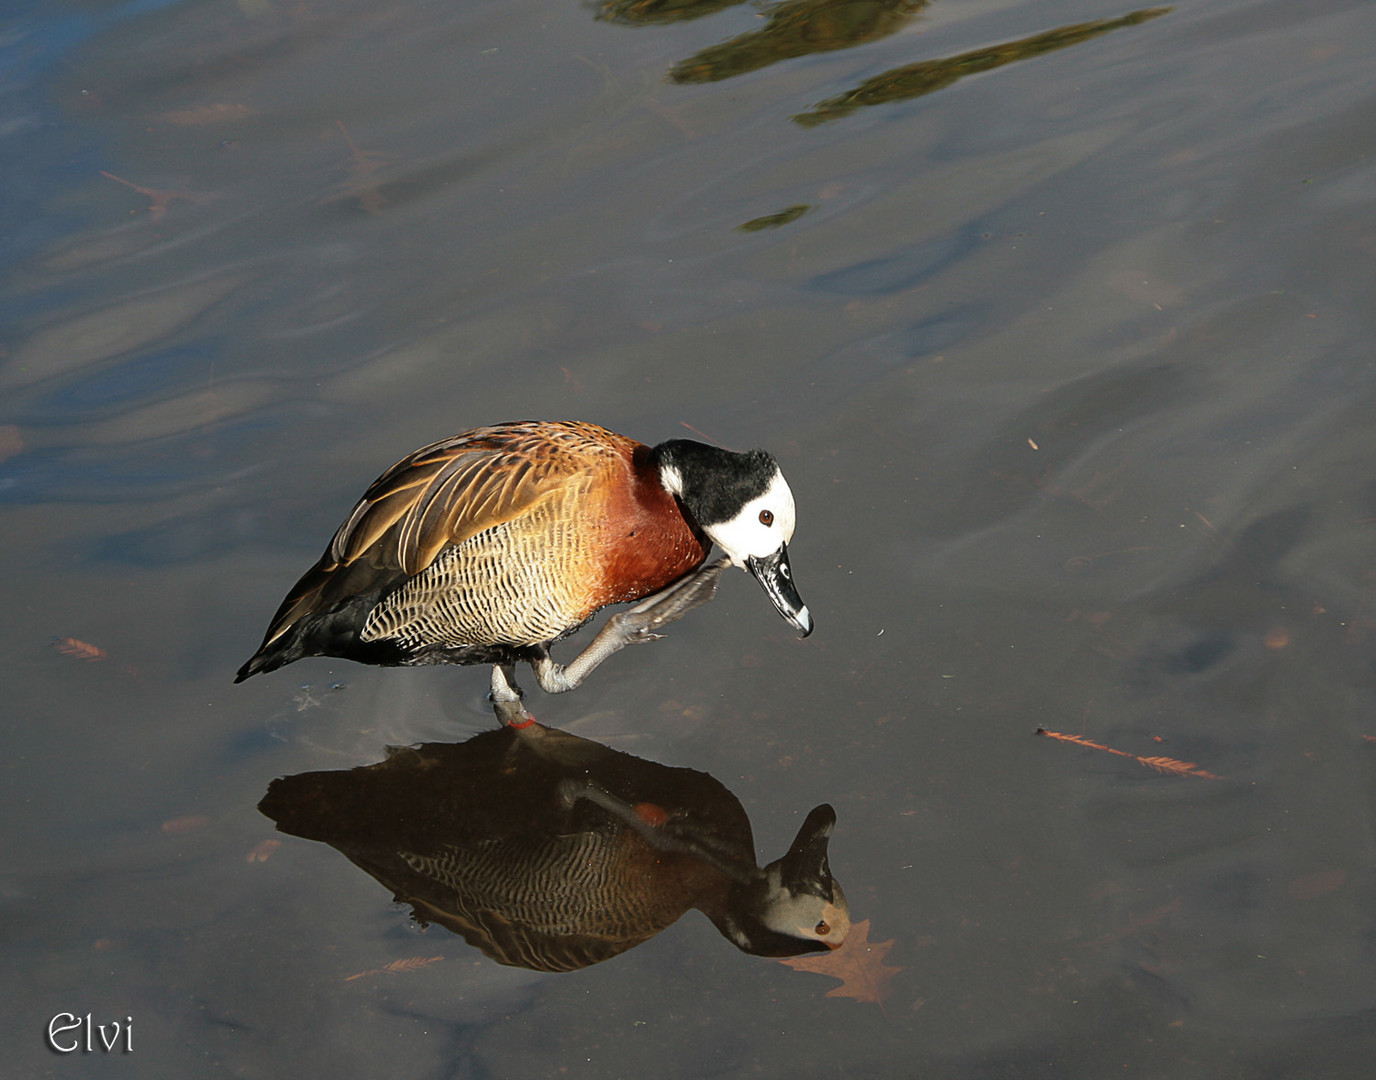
column 773, row 221
column 859, row 964
column 263, row 851
column 189, row 823
column 396, row 967
column 82, row 650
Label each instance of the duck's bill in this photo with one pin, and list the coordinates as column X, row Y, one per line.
column 775, row 575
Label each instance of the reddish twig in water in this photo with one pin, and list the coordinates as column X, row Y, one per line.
column 1167, row 765
column 397, row 967
column 161, row 200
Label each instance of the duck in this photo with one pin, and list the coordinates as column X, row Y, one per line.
column 489, row 546
column 550, row 851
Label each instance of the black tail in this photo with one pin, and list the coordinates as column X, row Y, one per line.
column 265, row 659
column 325, row 633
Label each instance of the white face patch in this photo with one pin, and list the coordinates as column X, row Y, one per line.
column 809, row 917
column 763, row 525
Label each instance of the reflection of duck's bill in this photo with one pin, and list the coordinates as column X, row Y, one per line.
column 805, row 867
column 776, row 577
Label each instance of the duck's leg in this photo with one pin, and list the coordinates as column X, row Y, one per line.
column 662, row 829
column 631, row 626
column 506, row 697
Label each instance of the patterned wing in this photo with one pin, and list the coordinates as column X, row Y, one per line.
column 444, row 493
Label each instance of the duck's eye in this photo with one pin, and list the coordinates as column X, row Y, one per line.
column 766, row 517
column 822, row 929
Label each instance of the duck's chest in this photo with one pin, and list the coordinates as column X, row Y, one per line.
column 645, row 541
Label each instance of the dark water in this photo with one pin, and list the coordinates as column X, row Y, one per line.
column 1057, row 314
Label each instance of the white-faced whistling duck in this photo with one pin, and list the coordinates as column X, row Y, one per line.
column 486, row 547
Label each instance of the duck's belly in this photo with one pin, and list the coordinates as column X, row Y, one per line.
column 589, row 882
column 521, row 583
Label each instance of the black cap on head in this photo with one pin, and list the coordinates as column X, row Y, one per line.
column 716, row 483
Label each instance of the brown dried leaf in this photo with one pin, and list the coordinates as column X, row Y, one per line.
column 410, row 963
column 160, row 200
column 1176, row 768
column 1160, row 764
column 859, row 964
column 185, row 824
column 82, row 650
column 263, row 852
column 362, row 164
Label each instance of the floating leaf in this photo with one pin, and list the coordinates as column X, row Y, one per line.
column 773, row 221
column 362, row 165
column 411, row 963
column 160, row 200
column 1176, row 767
column 82, row 650
column 396, row 967
column 859, row 964
column 1160, row 764
column 263, row 852
column 185, row 824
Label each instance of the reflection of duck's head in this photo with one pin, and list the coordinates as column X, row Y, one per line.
column 795, row 905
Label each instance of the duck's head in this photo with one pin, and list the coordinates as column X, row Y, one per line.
column 796, row 906
column 744, row 505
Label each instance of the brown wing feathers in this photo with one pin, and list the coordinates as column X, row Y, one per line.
column 441, row 495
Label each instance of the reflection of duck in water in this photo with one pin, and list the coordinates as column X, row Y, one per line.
column 487, row 547
column 552, row 852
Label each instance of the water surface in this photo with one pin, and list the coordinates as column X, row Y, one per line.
column 1057, row 315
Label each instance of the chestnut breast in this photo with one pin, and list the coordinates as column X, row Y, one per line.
column 647, row 542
